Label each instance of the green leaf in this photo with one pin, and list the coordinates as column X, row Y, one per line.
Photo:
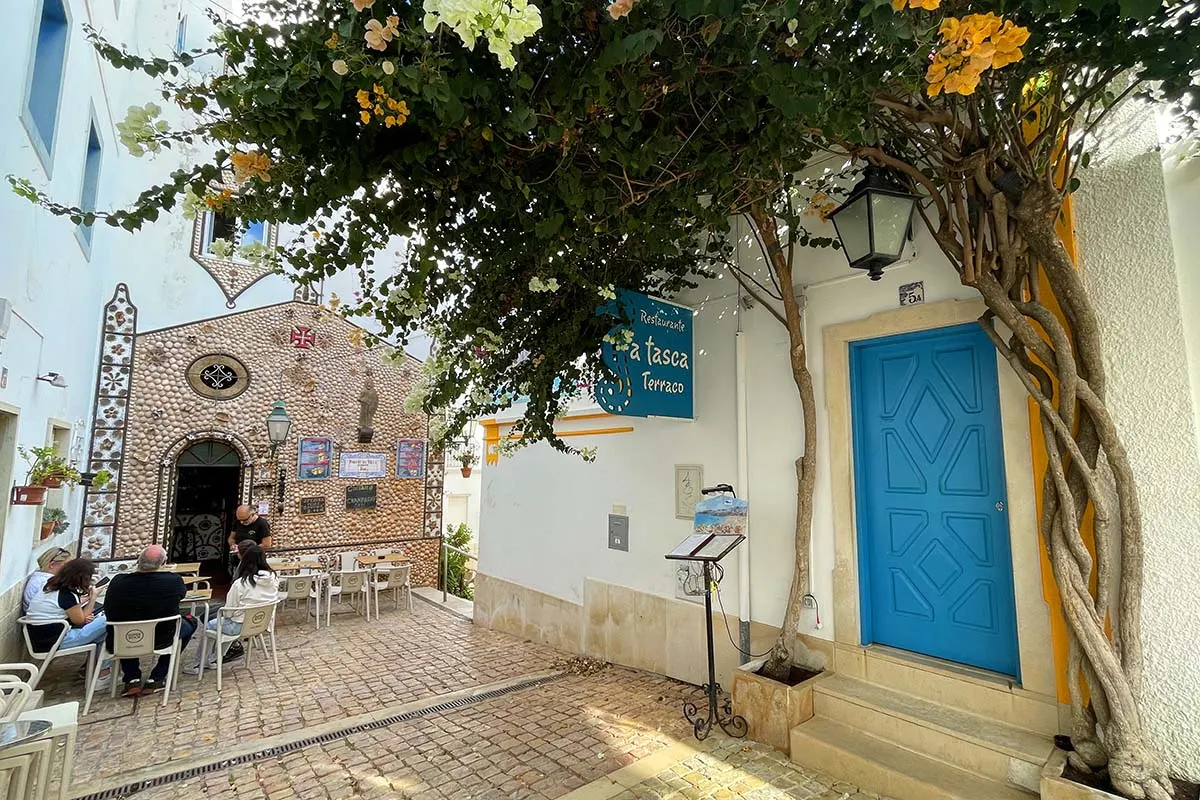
column 629, row 48
column 1140, row 9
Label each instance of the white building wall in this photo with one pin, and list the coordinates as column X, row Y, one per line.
column 57, row 288
column 545, row 514
column 1146, row 299
column 52, row 283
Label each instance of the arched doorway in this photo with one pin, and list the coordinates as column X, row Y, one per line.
column 208, row 488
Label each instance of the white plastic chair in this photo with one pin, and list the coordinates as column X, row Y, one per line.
column 57, row 651
column 349, row 560
column 258, row 622
column 397, row 579
column 349, row 583
column 134, row 640
column 300, row 587
column 17, row 690
column 64, row 723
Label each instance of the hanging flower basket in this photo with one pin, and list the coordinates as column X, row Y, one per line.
column 466, row 472
column 28, row 495
column 52, row 482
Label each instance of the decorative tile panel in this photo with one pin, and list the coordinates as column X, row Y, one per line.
column 109, row 424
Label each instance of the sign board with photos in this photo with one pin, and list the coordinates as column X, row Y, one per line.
column 410, row 458
column 362, row 465
column 315, row 459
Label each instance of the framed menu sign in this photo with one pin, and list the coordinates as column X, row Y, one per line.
column 362, row 465
column 410, row 458
column 312, row 505
column 358, row 497
column 316, row 459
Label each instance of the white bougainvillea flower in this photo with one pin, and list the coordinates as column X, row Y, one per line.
column 388, row 67
column 503, row 23
column 341, row 67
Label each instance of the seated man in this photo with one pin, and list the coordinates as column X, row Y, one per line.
column 148, row 594
column 49, row 563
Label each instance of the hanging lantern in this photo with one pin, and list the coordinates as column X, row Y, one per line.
column 874, row 222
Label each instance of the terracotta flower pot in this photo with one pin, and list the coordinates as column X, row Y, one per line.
column 466, row 472
column 47, row 530
column 28, row 495
column 52, row 482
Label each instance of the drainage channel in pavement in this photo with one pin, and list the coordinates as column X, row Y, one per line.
column 419, row 709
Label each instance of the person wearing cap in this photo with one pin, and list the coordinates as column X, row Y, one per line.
column 49, row 563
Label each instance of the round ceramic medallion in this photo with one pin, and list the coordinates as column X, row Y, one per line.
column 218, row 376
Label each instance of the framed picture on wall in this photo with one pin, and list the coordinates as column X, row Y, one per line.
column 689, row 480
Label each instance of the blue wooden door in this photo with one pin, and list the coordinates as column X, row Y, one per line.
column 934, row 560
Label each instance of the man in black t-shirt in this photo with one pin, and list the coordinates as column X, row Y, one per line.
column 148, row 594
column 249, row 526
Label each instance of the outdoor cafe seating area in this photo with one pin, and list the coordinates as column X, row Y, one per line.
column 37, row 741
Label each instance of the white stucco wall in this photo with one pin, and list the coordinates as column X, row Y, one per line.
column 57, row 288
column 544, row 517
column 1130, row 267
column 49, row 278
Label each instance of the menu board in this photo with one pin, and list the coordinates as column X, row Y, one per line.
column 410, row 458
column 316, row 459
column 312, row 505
column 360, row 496
column 362, row 465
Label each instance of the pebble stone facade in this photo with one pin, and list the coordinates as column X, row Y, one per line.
column 298, row 352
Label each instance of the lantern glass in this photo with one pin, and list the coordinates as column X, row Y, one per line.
column 853, row 225
column 890, row 217
column 279, row 424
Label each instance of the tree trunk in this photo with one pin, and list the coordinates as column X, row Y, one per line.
column 779, row 662
column 1087, row 463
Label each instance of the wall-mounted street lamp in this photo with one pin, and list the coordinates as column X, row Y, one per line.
column 54, row 379
column 279, row 425
column 874, row 222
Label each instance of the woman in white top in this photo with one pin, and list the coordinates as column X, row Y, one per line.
column 254, row 584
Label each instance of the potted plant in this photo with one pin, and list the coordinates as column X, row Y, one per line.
column 47, row 468
column 54, row 522
column 467, row 458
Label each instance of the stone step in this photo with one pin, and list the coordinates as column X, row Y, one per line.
column 971, row 690
column 977, row 744
column 887, row 769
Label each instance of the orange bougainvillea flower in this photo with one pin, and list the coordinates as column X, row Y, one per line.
column 251, row 165
column 378, row 34
column 217, row 201
column 365, row 116
column 362, row 5
column 928, row 5
column 620, row 8
column 332, row 41
column 970, row 47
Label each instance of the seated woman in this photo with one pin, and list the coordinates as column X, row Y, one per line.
column 69, row 595
column 254, row 584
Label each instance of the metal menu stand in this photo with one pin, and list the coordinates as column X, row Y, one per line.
column 708, row 549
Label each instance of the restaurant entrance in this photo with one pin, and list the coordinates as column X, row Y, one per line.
column 208, row 478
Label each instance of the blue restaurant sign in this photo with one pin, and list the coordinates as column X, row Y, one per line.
column 651, row 359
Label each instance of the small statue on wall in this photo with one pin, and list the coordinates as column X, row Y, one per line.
column 368, row 403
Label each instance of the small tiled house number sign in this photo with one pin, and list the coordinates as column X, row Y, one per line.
column 912, row 294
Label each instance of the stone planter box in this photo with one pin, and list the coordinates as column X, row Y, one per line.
column 771, row 709
column 1056, row 787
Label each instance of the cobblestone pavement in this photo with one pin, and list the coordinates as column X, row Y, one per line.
column 350, row 668
column 727, row 768
column 552, row 740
